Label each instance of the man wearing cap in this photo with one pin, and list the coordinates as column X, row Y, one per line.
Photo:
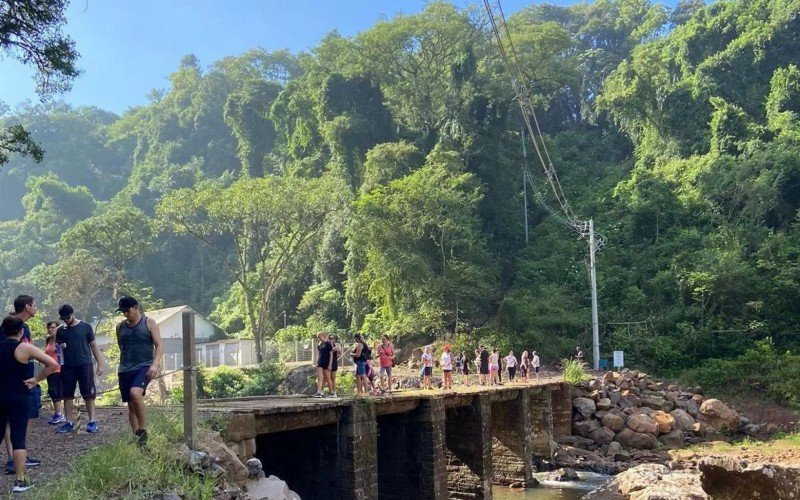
column 140, row 350
column 77, row 338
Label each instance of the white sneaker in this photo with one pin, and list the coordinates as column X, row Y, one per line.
column 317, row 395
column 332, row 395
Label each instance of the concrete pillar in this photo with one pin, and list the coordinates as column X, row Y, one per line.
column 541, row 419
column 512, row 440
column 562, row 409
column 358, row 460
column 430, row 419
column 469, row 443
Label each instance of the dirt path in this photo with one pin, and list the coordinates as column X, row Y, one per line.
column 57, row 451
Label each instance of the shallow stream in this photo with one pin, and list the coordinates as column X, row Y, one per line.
column 554, row 490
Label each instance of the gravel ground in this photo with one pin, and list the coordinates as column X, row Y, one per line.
column 56, row 451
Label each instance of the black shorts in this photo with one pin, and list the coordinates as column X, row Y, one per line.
column 54, row 390
column 484, row 370
column 323, row 363
column 535, row 369
column 131, row 379
column 428, row 371
column 81, row 376
column 14, row 413
column 465, row 370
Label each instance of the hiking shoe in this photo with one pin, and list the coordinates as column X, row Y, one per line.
column 318, row 395
column 332, row 395
column 21, row 485
column 141, row 438
column 92, row 427
column 32, row 462
column 65, row 428
column 10, row 467
column 58, row 418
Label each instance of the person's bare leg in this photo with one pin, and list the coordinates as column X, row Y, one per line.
column 7, row 439
column 58, row 407
column 90, row 408
column 69, row 410
column 20, row 457
column 320, row 379
column 136, row 407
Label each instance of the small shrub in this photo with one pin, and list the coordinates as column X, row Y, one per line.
column 233, row 382
column 346, row 383
column 575, row 371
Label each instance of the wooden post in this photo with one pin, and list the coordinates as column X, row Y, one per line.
column 189, row 379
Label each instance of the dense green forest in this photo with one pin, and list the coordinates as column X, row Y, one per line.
column 375, row 184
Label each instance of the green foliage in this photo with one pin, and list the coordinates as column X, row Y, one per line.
column 232, row 382
column 121, row 469
column 762, row 370
column 575, row 371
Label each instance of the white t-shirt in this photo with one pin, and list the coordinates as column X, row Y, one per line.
column 535, row 361
column 427, row 360
column 511, row 361
column 446, row 361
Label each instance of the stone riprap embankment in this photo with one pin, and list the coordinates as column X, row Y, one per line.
column 625, row 418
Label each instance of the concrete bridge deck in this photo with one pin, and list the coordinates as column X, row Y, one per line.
column 414, row 444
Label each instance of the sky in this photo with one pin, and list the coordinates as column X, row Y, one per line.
column 129, row 47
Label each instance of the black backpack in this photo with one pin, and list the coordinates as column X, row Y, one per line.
column 366, row 352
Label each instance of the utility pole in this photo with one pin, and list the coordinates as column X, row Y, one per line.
column 593, row 278
column 524, row 181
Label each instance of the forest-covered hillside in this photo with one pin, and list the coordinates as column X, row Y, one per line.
column 375, row 184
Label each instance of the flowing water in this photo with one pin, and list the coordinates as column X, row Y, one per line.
column 554, row 490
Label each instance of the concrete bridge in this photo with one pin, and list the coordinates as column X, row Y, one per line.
column 417, row 444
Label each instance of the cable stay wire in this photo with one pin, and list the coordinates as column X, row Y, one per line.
column 523, row 97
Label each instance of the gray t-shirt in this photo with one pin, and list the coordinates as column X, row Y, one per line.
column 77, row 338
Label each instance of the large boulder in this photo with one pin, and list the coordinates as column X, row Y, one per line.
column 642, row 424
column 658, row 403
column 651, row 481
column 673, row 440
column 604, row 404
column 297, row 380
column 585, row 427
column 603, row 435
column 719, row 415
column 638, row 440
column 683, row 420
column 271, row 488
column 584, row 406
column 665, row 422
column 614, row 422
column 728, row 478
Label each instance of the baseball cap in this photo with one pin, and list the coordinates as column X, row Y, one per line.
column 126, row 303
column 65, row 311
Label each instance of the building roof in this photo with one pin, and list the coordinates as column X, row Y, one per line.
column 161, row 315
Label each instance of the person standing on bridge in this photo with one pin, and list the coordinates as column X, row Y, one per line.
column 386, row 359
column 484, row 371
column 17, row 382
column 524, row 366
column 427, row 368
column 324, row 362
column 494, row 367
column 336, row 354
column 77, row 339
column 511, row 364
column 579, row 354
column 535, row 364
column 360, row 354
column 446, row 362
column 140, row 351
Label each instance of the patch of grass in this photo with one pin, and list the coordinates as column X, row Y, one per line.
column 575, row 371
column 122, row 470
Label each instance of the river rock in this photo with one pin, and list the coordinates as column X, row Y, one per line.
column 729, row 478
column 614, row 422
column 585, row 406
column 683, row 420
column 665, row 422
column 639, row 440
column 719, row 415
column 603, row 435
column 657, row 403
column 650, row 482
column 673, row 440
column 565, row 474
column 271, row 488
column 585, row 427
column 642, row 424
column 604, row 404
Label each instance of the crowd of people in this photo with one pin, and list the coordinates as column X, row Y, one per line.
column 488, row 365
column 68, row 363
